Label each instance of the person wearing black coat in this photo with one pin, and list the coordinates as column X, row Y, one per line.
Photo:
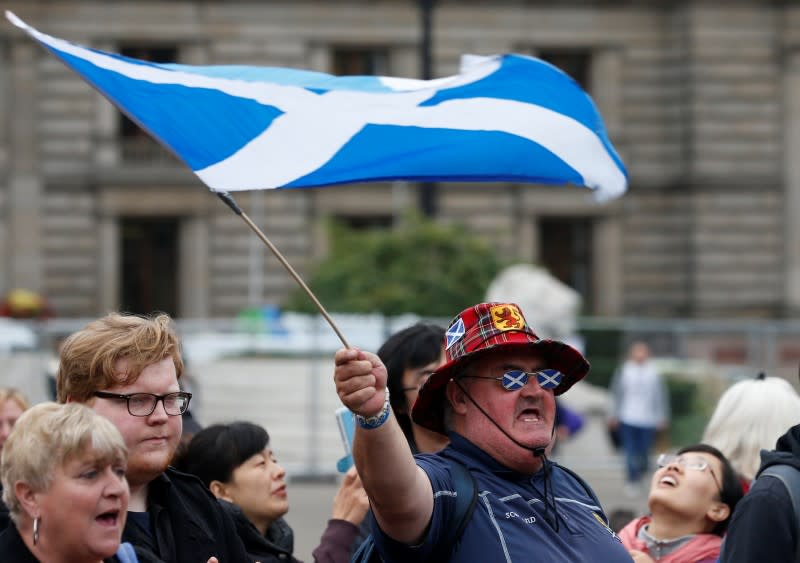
column 765, row 526
column 236, row 464
column 128, row 368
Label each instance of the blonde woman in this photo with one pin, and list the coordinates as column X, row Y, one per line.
column 749, row 417
column 12, row 405
column 63, row 473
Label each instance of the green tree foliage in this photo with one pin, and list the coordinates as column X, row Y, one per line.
column 426, row 268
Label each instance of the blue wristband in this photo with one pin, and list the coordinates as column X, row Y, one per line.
column 370, row 422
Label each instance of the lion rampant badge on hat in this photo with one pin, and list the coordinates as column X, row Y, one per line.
column 491, row 326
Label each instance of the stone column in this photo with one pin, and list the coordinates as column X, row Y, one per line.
column 193, row 278
column 792, row 179
column 109, row 263
column 607, row 252
column 5, row 143
column 25, row 188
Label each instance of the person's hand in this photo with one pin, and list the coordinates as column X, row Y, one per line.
column 360, row 379
column 613, row 423
column 351, row 502
column 640, row 556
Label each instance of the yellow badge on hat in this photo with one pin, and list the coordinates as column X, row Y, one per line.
column 507, row 317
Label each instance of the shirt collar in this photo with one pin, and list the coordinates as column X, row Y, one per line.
column 472, row 456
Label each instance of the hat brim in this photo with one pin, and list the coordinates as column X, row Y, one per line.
column 428, row 409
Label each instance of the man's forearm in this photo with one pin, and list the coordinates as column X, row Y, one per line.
column 400, row 493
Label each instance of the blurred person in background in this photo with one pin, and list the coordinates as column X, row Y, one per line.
column 236, row 463
column 749, row 417
column 12, row 405
column 640, row 411
column 692, row 496
column 410, row 356
column 63, row 473
column 128, row 368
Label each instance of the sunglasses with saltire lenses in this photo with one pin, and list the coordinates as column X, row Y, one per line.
column 516, row 379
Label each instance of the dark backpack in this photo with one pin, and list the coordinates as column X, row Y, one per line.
column 790, row 477
column 466, row 497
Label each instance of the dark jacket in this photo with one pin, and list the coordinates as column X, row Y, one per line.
column 336, row 545
column 12, row 548
column 5, row 519
column 187, row 524
column 764, row 526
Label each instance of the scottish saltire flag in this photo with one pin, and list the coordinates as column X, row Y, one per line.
column 502, row 118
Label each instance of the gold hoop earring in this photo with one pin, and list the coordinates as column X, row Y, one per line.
column 35, row 530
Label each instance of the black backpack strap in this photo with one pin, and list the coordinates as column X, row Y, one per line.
column 790, row 477
column 589, row 491
column 466, row 498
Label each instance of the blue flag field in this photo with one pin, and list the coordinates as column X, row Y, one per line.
column 505, row 118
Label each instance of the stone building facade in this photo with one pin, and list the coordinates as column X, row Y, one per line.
column 701, row 98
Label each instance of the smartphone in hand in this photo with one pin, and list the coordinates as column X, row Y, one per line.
column 347, row 427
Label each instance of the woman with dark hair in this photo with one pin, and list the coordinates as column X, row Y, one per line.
column 692, row 496
column 410, row 356
column 236, row 463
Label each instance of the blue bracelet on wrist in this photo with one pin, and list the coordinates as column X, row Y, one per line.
column 370, row 422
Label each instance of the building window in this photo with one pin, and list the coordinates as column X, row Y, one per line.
column 135, row 144
column 360, row 61
column 565, row 245
column 366, row 222
column 575, row 62
column 149, row 264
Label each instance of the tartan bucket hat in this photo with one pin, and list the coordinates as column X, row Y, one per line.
column 483, row 328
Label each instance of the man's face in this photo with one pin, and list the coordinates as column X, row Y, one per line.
column 152, row 439
column 527, row 415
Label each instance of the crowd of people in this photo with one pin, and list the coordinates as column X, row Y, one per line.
column 455, row 430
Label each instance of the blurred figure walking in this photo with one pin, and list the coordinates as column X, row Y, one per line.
column 641, row 409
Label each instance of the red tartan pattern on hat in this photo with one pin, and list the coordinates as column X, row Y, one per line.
column 484, row 328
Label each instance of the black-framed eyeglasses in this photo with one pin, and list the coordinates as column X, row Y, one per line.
column 143, row 404
column 694, row 462
column 516, row 379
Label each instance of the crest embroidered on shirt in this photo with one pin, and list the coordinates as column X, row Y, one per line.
column 454, row 333
column 507, row 317
column 603, row 523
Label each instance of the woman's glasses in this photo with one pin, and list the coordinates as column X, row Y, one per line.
column 693, row 462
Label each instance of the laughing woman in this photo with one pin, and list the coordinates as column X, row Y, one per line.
column 692, row 496
column 63, row 473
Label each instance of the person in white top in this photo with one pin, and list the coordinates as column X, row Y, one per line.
column 641, row 409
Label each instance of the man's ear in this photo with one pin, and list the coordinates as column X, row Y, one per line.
column 219, row 490
column 27, row 498
column 456, row 397
column 718, row 512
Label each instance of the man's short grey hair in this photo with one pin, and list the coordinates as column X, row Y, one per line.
column 49, row 435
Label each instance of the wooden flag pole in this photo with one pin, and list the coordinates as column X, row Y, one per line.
column 230, row 202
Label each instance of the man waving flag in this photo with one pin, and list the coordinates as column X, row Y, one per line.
column 502, row 118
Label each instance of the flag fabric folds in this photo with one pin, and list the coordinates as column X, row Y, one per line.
column 502, row 118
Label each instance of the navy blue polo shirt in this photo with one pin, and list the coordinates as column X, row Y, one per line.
column 509, row 521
